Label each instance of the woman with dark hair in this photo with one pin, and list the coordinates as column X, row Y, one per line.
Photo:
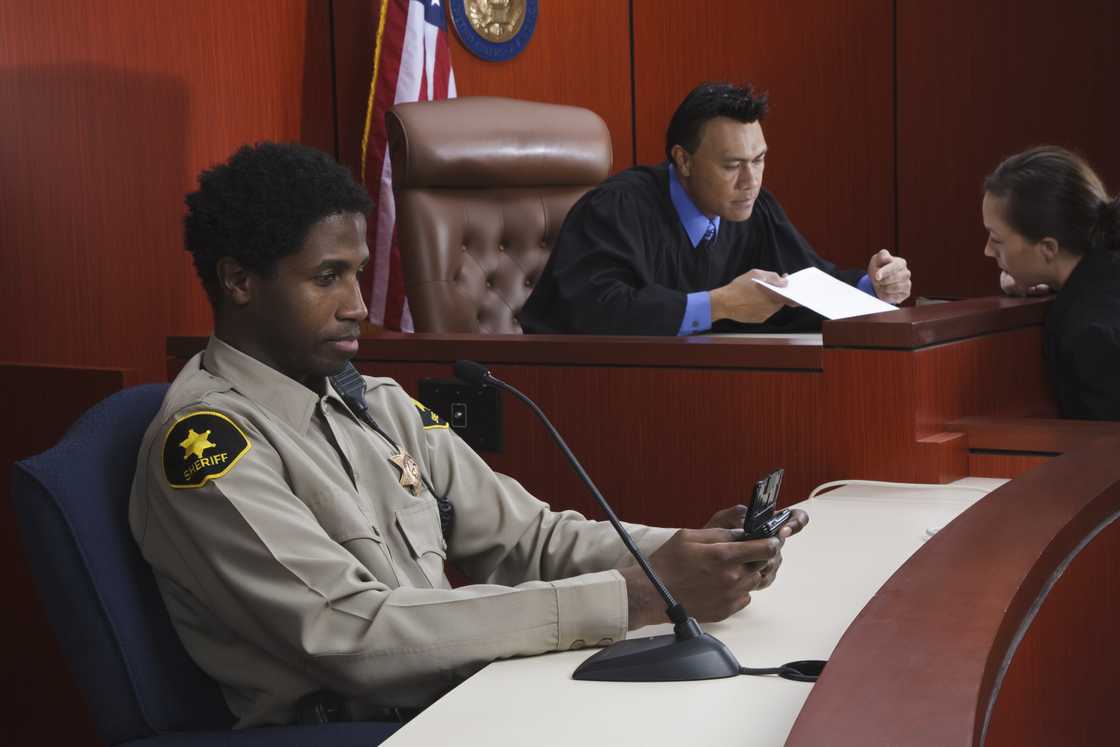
column 1050, row 222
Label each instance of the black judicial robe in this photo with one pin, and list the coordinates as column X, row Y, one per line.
column 1083, row 339
column 623, row 264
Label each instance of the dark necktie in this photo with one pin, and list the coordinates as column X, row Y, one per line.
column 709, row 235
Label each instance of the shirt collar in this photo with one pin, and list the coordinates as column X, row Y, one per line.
column 281, row 395
column 694, row 222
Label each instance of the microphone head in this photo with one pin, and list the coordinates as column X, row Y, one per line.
column 471, row 372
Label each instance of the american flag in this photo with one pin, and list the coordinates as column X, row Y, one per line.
column 411, row 62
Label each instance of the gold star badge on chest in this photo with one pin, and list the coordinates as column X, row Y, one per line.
column 410, row 471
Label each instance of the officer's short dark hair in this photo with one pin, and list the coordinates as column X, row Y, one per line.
column 258, row 207
column 708, row 101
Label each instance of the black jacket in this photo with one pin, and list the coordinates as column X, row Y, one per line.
column 1083, row 339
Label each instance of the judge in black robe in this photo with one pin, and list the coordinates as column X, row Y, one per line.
column 623, row 263
column 1083, row 339
column 675, row 249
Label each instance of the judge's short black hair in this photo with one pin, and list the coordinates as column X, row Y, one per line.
column 708, row 101
column 258, row 206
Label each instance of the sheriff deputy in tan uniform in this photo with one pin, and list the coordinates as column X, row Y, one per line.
column 300, row 548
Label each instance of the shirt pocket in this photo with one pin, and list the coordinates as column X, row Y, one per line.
column 338, row 514
column 419, row 525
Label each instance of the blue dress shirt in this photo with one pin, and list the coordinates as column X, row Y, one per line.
column 698, row 311
column 699, row 227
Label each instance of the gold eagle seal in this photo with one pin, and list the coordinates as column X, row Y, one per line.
column 496, row 20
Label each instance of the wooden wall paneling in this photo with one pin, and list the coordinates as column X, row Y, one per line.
column 666, row 446
column 42, row 402
column 827, row 67
column 111, row 109
column 976, row 83
column 890, row 408
column 579, row 55
column 871, row 395
column 998, row 374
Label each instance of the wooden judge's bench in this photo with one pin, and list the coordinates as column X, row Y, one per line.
column 998, row 630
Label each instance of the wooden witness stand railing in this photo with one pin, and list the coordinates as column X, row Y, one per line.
column 997, row 631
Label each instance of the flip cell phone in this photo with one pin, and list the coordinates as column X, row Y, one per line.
column 761, row 521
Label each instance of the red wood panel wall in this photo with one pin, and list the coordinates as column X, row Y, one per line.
column 978, row 82
column 579, row 55
column 111, row 107
column 827, row 67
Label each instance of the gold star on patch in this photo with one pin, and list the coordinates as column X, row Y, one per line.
column 410, row 471
column 196, row 443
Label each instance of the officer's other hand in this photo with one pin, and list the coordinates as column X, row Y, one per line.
column 733, row 517
column 712, row 572
column 743, row 300
column 890, row 277
column 1012, row 287
column 794, row 524
column 728, row 518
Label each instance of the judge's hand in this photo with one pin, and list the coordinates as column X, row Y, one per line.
column 1011, row 287
column 890, row 277
column 743, row 300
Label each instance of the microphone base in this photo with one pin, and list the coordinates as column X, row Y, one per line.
column 662, row 658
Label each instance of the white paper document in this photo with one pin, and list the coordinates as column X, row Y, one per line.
column 829, row 297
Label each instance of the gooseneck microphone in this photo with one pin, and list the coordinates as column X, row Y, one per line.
column 689, row 653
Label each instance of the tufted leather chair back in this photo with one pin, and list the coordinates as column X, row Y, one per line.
column 482, row 185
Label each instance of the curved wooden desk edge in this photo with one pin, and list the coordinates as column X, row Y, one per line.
column 923, row 662
column 915, row 327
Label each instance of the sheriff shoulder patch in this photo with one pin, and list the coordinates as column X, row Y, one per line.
column 201, row 447
column 428, row 418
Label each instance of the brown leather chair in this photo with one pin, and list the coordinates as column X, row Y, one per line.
column 482, row 185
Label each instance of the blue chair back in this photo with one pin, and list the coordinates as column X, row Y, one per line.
column 71, row 503
column 100, row 595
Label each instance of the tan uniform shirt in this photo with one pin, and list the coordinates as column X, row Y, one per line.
column 292, row 560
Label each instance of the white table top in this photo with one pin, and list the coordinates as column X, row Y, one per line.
column 857, row 537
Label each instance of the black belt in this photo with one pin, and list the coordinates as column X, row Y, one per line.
column 326, row 707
